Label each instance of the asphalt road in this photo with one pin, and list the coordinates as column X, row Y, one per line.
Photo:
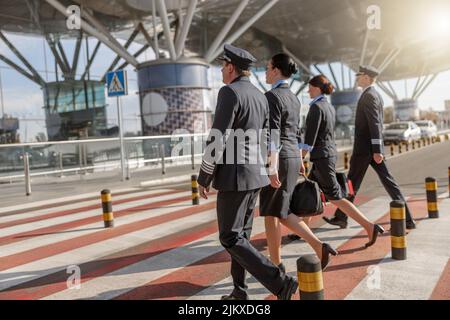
column 410, row 170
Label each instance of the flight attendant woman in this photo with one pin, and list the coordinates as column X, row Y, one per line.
column 286, row 163
column 319, row 141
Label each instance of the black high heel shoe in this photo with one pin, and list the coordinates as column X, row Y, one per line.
column 326, row 251
column 377, row 229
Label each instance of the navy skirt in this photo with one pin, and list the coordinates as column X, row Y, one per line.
column 275, row 202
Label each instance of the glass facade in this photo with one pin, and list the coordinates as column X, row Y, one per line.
column 69, row 96
column 75, row 109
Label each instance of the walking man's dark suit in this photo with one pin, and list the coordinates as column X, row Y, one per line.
column 238, row 179
column 369, row 141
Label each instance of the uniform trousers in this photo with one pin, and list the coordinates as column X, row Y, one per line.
column 235, row 210
column 358, row 168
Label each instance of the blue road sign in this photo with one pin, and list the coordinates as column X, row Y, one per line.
column 116, row 83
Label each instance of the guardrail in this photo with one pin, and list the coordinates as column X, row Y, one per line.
column 80, row 157
column 60, row 158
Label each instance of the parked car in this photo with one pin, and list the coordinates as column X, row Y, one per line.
column 399, row 132
column 428, row 128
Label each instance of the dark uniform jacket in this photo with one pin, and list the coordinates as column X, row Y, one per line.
column 369, row 123
column 241, row 108
column 319, row 133
column 284, row 121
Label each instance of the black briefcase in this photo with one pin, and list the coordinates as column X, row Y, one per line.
column 306, row 200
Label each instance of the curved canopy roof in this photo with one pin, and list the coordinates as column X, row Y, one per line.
column 315, row 31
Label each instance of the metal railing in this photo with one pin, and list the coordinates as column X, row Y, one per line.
column 62, row 158
column 21, row 162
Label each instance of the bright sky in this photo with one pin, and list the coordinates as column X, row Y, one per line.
column 23, row 98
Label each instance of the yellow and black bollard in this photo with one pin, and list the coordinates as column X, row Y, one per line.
column 195, row 194
column 108, row 217
column 414, row 144
column 346, row 161
column 400, row 148
column 418, row 144
column 398, row 230
column 310, row 280
column 407, row 146
column 432, row 186
column 392, row 150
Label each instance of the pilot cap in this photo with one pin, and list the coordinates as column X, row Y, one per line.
column 368, row 70
column 238, row 57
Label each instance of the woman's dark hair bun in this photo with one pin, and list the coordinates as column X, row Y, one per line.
column 293, row 68
column 328, row 88
column 285, row 64
column 322, row 82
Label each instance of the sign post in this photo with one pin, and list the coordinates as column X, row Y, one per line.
column 116, row 82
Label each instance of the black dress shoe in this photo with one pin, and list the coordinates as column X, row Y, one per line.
column 289, row 289
column 410, row 225
column 232, row 297
column 282, row 268
column 326, row 251
column 336, row 222
column 377, row 229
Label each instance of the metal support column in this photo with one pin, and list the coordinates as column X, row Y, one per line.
column 107, row 40
column 245, row 27
column 180, row 43
column 226, row 28
column 162, row 10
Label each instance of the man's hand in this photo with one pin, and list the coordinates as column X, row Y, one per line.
column 378, row 158
column 203, row 192
column 274, row 181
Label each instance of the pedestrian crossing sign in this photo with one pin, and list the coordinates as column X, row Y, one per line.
column 116, row 82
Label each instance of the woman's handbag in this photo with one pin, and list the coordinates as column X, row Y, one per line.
column 306, row 200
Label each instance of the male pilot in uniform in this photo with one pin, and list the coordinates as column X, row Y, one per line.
column 368, row 146
column 240, row 107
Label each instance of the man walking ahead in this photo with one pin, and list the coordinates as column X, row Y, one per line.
column 368, row 146
column 238, row 173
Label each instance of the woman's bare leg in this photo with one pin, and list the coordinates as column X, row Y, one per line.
column 353, row 212
column 307, row 221
column 273, row 234
column 296, row 225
